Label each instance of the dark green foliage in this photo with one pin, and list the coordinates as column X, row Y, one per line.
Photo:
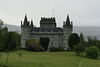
column 79, row 49
column 44, row 42
column 3, row 32
column 9, row 40
column 93, row 42
column 92, row 52
column 33, row 45
column 54, row 49
column 73, row 40
column 82, row 40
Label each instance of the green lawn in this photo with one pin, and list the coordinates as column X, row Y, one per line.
column 47, row 59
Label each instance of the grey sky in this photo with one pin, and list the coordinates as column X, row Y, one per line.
column 81, row 12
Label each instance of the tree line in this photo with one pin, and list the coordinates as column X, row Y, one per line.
column 9, row 40
column 91, row 47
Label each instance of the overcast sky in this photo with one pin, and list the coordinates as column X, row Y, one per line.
column 81, row 12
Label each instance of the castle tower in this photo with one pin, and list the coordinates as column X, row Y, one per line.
column 25, row 31
column 48, row 22
column 67, row 31
column 31, row 26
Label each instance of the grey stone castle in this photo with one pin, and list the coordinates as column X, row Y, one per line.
column 58, row 36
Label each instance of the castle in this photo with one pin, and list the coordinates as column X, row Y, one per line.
column 58, row 36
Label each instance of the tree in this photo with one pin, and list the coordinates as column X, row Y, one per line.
column 93, row 41
column 11, row 40
column 73, row 40
column 1, row 39
column 92, row 52
column 8, row 40
column 82, row 40
column 9, row 44
column 17, row 38
column 3, row 32
column 44, row 42
column 79, row 49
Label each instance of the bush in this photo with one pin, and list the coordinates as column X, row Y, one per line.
column 92, row 52
column 54, row 49
column 30, row 41
column 35, row 47
column 79, row 49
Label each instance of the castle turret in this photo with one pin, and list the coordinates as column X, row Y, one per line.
column 25, row 31
column 32, row 23
column 67, row 31
column 31, row 26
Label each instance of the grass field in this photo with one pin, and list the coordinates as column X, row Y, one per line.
column 47, row 59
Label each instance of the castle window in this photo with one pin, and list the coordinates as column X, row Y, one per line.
column 59, row 36
column 51, row 36
column 64, row 36
column 33, row 36
column 59, row 45
column 51, row 44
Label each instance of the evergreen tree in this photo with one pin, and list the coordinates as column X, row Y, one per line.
column 82, row 40
column 73, row 40
column 44, row 42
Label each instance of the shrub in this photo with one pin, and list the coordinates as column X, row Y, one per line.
column 92, row 52
column 30, row 41
column 34, row 47
column 54, row 49
column 79, row 49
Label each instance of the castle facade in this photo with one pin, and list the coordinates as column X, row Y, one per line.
column 58, row 36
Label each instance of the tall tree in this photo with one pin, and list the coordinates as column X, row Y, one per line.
column 73, row 40
column 82, row 40
column 10, row 42
column 44, row 42
column 3, row 32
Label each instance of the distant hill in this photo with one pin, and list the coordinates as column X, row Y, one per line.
column 86, row 30
column 13, row 28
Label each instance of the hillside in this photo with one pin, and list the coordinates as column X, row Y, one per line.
column 13, row 28
column 88, row 31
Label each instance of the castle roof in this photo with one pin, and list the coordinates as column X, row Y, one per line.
column 68, row 21
column 57, row 29
column 32, row 23
column 26, row 22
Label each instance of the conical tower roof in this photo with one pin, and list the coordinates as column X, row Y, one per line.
column 32, row 23
column 25, row 20
column 68, row 20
